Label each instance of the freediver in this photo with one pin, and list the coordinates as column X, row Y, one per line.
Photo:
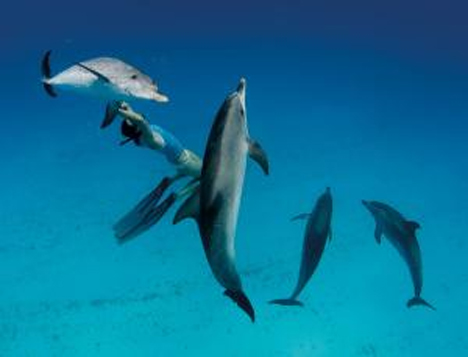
column 137, row 129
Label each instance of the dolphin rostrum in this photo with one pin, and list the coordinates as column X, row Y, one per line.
column 402, row 235
column 317, row 231
column 215, row 204
column 105, row 77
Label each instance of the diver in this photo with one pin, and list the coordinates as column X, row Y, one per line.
column 136, row 128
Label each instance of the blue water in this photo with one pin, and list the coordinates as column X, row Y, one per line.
column 373, row 114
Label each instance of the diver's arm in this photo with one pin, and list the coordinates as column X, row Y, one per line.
column 187, row 163
column 151, row 139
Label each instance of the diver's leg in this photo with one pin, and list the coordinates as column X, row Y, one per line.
column 189, row 164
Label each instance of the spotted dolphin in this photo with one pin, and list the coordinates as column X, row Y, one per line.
column 215, row 204
column 402, row 235
column 318, row 230
column 104, row 77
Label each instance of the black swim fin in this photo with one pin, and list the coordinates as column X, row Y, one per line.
column 287, row 302
column 129, row 226
column 242, row 301
column 47, row 74
column 156, row 213
column 148, row 221
column 417, row 300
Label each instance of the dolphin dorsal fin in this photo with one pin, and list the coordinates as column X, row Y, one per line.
column 378, row 232
column 257, row 153
column 412, row 226
column 300, row 217
column 96, row 73
column 189, row 209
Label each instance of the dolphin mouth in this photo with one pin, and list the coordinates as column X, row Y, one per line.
column 160, row 98
column 241, row 86
column 365, row 203
column 241, row 89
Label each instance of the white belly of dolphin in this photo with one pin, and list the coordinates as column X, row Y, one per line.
column 79, row 80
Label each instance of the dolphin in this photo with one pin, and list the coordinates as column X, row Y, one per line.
column 318, row 230
column 104, row 77
column 215, row 203
column 402, row 235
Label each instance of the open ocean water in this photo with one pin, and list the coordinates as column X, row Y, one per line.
column 367, row 99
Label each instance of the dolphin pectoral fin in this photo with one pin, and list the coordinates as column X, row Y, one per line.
column 96, row 73
column 419, row 301
column 412, row 226
column 242, row 301
column 112, row 109
column 378, row 233
column 257, row 153
column 47, row 74
column 189, row 209
column 287, row 302
column 300, row 217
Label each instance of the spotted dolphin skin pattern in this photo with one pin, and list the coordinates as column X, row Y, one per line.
column 105, row 77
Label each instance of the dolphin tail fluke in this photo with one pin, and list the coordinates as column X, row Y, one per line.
column 112, row 109
column 242, row 301
column 419, row 301
column 287, row 302
column 47, row 74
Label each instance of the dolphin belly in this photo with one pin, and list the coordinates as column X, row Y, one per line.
column 73, row 77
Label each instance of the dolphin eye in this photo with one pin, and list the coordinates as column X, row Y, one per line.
column 134, row 76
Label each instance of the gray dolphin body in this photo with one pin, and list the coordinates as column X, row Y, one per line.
column 104, row 77
column 317, row 231
column 215, row 204
column 402, row 235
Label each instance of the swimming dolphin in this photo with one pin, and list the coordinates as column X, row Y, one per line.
column 402, row 235
column 105, row 77
column 318, row 230
column 215, row 204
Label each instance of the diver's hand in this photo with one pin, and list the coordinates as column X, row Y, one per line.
column 126, row 111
